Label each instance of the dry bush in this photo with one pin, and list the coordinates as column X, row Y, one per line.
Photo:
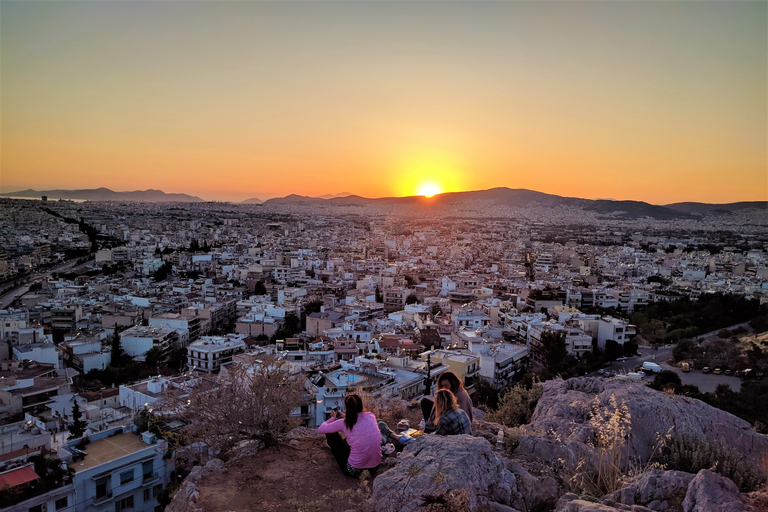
column 255, row 402
column 612, row 423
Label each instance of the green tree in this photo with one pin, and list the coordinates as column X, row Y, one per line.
column 77, row 429
column 259, row 288
column 612, row 350
column 153, row 357
column 379, row 296
column 118, row 354
column 412, row 299
column 666, row 379
column 553, row 351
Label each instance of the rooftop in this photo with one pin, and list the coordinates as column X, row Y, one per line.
column 109, row 449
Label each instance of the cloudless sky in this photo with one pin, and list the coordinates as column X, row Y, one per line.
column 653, row 101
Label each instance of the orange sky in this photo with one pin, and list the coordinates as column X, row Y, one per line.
column 660, row 102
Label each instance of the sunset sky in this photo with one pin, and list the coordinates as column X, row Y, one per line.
column 653, row 101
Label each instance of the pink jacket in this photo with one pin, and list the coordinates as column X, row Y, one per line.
column 364, row 439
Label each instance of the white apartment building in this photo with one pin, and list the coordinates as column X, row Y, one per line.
column 209, row 352
column 138, row 340
column 615, row 329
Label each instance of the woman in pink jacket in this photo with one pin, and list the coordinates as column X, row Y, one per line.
column 362, row 449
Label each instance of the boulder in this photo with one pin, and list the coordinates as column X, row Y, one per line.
column 710, row 492
column 655, row 490
column 565, row 408
column 569, row 502
column 443, row 468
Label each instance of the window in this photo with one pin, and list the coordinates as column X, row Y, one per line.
column 126, row 476
column 146, row 469
column 147, row 494
column 124, row 504
column 157, row 490
column 61, row 503
column 102, row 487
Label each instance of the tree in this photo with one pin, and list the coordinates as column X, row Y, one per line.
column 77, row 429
column 553, row 351
column 666, row 379
column 412, row 299
column 430, row 338
column 379, row 297
column 248, row 402
column 259, row 288
column 153, row 357
column 612, row 350
column 118, row 354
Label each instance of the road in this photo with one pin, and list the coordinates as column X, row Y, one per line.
column 706, row 382
column 7, row 298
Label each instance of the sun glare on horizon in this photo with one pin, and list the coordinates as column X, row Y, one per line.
column 429, row 190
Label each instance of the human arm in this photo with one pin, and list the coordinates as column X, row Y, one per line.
column 331, row 425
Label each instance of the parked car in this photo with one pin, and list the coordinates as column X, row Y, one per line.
column 728, row 372
column 706, row 369
column 685, row 366
column 718, row 371
column 622, row 358
column 654, row 367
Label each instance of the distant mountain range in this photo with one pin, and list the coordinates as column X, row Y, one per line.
column 521, row 198
column 501, row 196
column 105, row 194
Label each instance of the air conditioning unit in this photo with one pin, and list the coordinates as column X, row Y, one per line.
column 148, row 437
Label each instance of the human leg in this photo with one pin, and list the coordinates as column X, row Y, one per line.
column 426, row 407
column 339, row 449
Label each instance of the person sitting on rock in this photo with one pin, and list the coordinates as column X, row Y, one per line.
column 447, row 380
column 451, row 419
column 362, row 449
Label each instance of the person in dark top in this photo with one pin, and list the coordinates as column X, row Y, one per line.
column 450, row 418
column 447, row 380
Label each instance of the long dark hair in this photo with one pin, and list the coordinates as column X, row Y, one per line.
column 453, row 380
column 354, row 406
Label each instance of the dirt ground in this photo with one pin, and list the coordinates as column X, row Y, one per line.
column 300, row 478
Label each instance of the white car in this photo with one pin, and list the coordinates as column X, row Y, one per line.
column 622, row 358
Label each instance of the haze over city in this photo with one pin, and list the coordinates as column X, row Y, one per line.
column 658, row 102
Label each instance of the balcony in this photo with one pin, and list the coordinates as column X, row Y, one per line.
column 101, row 499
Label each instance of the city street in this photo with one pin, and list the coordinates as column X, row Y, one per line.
column 7, row 298
column 706, row 382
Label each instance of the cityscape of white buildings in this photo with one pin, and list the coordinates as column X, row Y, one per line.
column 388, row 304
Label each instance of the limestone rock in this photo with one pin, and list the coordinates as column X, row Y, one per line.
column 566, row 406
column 710, row 492
column 653, row 489
column 434, row 466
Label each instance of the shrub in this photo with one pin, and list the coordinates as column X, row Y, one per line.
column 691, row 454
column 253, row 402
column 516, row 405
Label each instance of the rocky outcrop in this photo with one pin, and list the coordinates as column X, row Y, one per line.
column 710, row 492
column 443, row 468
column 655, row 490
column 565, row 409
column 185, row 499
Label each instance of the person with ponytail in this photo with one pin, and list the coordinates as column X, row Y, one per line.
column 362, row 449
column 450, row 419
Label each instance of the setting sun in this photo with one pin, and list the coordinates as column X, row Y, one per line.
column 429, row 190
